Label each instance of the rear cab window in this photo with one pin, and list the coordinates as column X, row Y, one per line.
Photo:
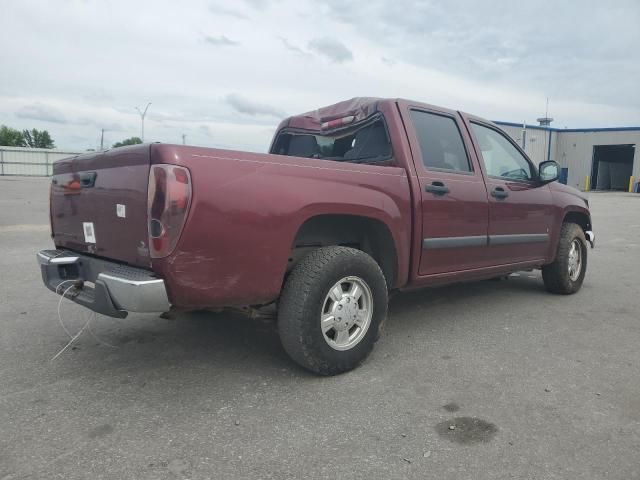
column 367, row 142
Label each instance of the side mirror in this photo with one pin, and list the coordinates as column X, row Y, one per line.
column 549, row 171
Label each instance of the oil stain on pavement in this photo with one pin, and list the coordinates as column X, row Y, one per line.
column 467, row 430
column 100, row 431
column 451, row 407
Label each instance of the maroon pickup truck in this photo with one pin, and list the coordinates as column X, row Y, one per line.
column 353, row 201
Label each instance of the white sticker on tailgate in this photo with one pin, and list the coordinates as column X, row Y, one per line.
column 121, row 210
column 89, row 232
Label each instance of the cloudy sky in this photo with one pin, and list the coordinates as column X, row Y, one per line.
column 224, row 73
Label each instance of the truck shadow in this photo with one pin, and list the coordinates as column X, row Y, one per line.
column 219, row 339
column 232, row 342
column 455, row 295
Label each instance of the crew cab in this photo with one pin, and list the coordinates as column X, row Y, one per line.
column 352, row 201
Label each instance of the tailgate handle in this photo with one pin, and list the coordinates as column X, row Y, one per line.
column 88, row 179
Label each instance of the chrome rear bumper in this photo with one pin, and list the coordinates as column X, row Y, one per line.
column 103, row 286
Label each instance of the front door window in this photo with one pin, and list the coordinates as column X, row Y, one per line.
column 501, row 159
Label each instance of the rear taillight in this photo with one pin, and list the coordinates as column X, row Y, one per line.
column 168, row 201
column 51, row 208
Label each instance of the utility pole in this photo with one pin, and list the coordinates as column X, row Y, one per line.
column 102, row 140
column 142, row 115
column 546, row 122
column 184, row 136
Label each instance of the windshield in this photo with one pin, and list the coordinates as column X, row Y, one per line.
column 366, row 144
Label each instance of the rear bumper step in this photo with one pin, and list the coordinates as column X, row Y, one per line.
column 105, row 287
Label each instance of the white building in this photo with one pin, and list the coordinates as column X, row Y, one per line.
column 595, row 158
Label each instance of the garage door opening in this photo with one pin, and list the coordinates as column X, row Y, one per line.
column 612, row 167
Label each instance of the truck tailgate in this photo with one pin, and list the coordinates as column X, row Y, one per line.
column 99, row 204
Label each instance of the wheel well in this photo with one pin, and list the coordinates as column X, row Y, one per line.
column 363, row 233
column 579, row 218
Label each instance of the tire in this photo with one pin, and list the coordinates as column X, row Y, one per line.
column 309, row 298
column 557, row 276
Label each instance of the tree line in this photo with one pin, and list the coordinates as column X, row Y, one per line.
column 33, row 138
column 128, row 141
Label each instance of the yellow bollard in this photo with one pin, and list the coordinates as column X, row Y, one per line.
column 631, row 184
column 586, row 183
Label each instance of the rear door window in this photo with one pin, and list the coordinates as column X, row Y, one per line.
column 440, row 142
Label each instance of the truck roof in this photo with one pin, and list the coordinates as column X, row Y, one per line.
column 359, row 107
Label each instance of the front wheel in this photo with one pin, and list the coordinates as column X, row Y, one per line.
column 332, row 309
column 566, row 274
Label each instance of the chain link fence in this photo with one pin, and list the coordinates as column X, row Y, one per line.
column 33, row 162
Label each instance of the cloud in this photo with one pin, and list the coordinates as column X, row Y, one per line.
column 41, row 112
column 206, row 130
column 250, row 107
column 334, row 50
column 220, row 41
column 98, row 97
column 258, row 4
column 107, row 125
column 220, row 10
column 292, row 48
column 489, row 42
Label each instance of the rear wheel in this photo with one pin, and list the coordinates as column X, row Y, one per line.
column 566, row 274
column 332, row 309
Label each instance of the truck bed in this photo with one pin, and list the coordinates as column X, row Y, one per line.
column 245, row 212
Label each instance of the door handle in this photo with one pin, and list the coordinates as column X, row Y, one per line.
column 437, row 188
column 88, row 179
column 499, row 193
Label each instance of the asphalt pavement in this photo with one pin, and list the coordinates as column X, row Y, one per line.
column 534, row 385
